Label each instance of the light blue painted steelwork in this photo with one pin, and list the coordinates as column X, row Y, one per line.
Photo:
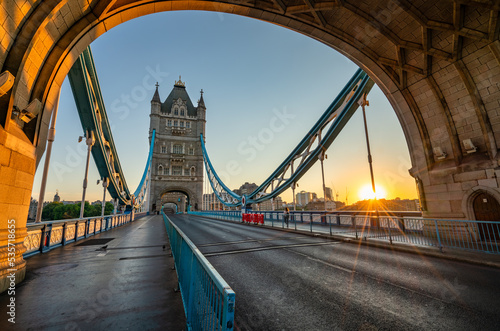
column 208, row 300
column 305, row 153
column 141, row 191
column 90, row 105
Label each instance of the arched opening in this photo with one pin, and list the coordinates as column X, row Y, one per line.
column 170, row 208
column 179, row 198
column 487, row 208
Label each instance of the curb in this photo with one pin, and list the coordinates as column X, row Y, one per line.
column 431, row 252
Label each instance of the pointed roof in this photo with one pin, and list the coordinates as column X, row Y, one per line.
column 201, row 102
column 179, row 91
column 156, row 96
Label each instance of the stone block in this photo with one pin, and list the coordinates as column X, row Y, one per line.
column 22, row 163
column 11, row 194
column 491, row 182
column 471, row 175
column 454, row 187
column 7, row 176
column 469, row 185
column 456, row 206
column 4, row 156
column 439, row 207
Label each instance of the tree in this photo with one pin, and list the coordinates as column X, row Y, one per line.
column 48, row 210
column 108, row 208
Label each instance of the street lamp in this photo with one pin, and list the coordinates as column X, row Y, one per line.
column 89, row 135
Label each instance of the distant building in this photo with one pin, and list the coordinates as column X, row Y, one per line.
column 57, row 198
column 33, row 208
column 303, row 198
column 268, row 204
column 388, row 205
column 320, row 205
column 246, row 188
column 328, row 193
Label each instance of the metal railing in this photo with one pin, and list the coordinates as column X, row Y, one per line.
column 45, row 236
column 208, row 300
column 402, row 227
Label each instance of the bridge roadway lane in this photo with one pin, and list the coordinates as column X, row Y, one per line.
column 287, row 281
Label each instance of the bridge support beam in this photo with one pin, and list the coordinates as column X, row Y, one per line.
column 17, row 171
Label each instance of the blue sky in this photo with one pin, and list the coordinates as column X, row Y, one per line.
column 250, row 71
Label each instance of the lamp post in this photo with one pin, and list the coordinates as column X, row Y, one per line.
column 105, row 186
column 89, row 135
column 363, row 102
column 322, row 156
column 50, row 139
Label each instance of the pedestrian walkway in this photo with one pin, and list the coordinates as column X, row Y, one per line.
column 121, row 279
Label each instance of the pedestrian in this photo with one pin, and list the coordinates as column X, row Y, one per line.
column 286, row 215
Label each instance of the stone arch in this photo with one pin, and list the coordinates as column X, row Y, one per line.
column 189, row 193
column 437, row 64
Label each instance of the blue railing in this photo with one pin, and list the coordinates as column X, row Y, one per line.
column 402, row 227
column 208, row 300
column 45, row 236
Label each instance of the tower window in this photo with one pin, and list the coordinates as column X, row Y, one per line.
column 177, row 149
column 176, row 170
column 176, row 123
column 182, row 112
column 165, row 171
column 191, row 151
column 163, row 149
column 188, row 125
column 176, row 111
column 169, row 123
column 181, row 124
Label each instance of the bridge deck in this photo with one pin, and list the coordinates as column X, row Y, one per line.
column 128, row 286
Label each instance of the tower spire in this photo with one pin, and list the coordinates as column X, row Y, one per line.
column 201, row 102
column 156, row 96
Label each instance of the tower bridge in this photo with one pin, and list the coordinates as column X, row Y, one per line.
column 177, row 158
column 438, row 63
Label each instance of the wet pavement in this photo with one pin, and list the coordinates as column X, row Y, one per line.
column 82, row 286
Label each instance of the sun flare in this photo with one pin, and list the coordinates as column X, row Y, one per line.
column 366, row 192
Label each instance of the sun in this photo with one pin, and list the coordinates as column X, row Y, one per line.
column 366, row 192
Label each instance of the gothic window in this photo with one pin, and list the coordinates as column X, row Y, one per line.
column 177, row 149
column 176, row 123
column 163, row 149
column 181, row 124
column 188, row 125
column 169, row 123
column 191, row 151
column 183, row 112
column 176, row 111
column 160, row 170
column 176, row 171
column 165, row 171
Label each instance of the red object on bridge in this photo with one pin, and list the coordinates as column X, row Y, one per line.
column 261, row 219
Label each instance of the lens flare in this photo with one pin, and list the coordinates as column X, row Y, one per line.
column 366, row 192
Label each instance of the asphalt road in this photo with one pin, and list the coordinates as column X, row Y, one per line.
column 286, row 281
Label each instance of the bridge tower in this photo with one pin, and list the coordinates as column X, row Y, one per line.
column 177, row 164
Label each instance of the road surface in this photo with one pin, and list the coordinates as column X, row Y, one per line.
column 288, row 281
